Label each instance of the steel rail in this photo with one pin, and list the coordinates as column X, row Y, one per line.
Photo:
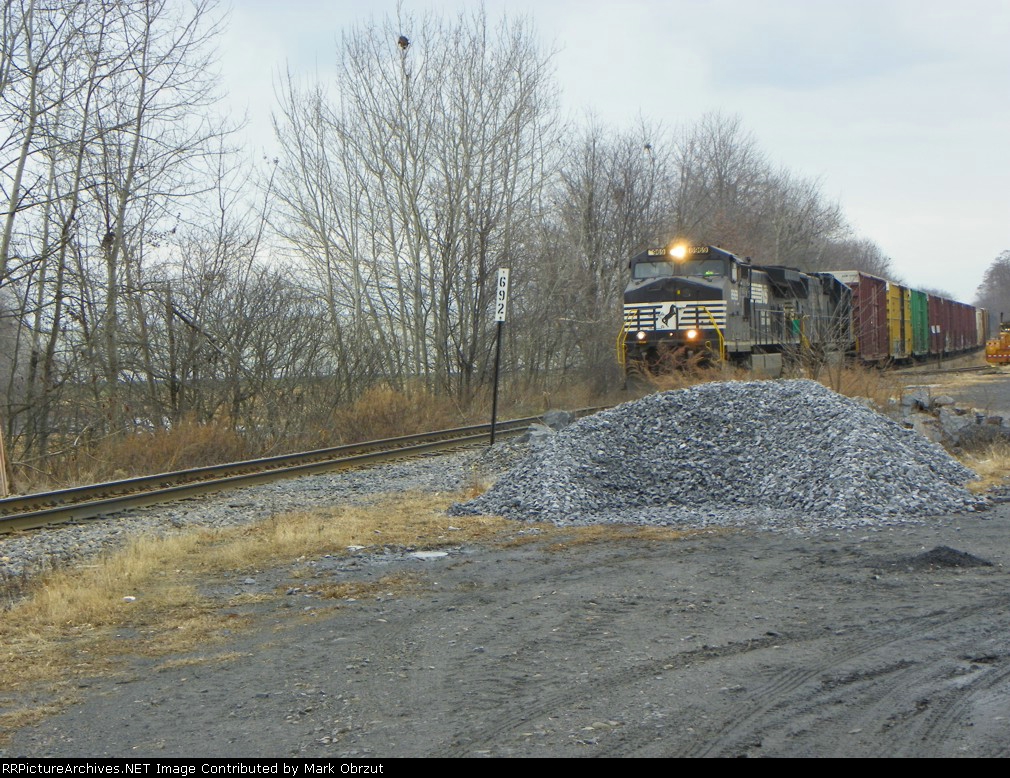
column 101, row 500
column 921, row 370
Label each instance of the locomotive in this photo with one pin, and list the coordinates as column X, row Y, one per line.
column 704, row 303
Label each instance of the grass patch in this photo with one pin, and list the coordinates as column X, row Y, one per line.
column 384, row 412
column 411, row 521
column 879, row 385
column 186, row 445
column 685, row 376
column 379, row 412
column 390, row 585
column 201, row 661
column 992, row 463
column 31, row 715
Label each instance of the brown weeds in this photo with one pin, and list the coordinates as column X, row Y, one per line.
column 991, row 462
column 384, row 412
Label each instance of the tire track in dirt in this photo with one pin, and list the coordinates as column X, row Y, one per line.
column 466, row 742
column 912, row 703
column 788, row 691
column 576, row 612
column 957, row 707
column 512, row 703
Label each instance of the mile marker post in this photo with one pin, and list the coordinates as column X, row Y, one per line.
column 500, row 305
column 5, row 485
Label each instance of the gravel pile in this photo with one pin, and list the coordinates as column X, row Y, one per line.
column 773, row 454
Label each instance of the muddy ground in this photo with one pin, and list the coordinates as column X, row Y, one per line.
column 880, row 642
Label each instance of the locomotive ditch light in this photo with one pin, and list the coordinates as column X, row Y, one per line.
column 678, row 251
column 640, row 335
column 692, row 334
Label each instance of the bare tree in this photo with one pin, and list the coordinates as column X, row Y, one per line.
column 40, row 46
column 325, row 214
column 721, row 180
column 150, row 132
column 856, row 254
column 993, row 293
column 100, row 130
column 797, row 224
column 417, row 183
column 614, row 198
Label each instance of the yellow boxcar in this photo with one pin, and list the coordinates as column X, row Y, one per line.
column 899, row 320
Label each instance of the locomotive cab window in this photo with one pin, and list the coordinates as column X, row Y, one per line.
column 703, row 268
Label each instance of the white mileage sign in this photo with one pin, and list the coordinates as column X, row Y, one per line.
column 502, row 295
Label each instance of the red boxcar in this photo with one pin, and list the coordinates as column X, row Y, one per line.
column 953, row 326
column 869, row 313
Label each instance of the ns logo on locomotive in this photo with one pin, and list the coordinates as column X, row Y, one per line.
column 702, row 302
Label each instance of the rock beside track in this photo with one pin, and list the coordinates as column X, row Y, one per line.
column 775, row 453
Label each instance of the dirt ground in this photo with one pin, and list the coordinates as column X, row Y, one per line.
column 858, row 644
column 881, row 642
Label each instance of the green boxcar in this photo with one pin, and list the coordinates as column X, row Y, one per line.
column 920, row 324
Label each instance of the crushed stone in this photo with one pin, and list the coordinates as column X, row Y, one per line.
column 774, row 454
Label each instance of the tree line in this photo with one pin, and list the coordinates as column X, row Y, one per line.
column 151, row 273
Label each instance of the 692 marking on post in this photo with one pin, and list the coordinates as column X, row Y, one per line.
column 502, row 295
column 501, row 301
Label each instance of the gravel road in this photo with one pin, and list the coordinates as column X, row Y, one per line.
column 883, row 640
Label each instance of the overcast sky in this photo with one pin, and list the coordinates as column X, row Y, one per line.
column 900, row 108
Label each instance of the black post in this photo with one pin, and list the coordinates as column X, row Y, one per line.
column 494, row 395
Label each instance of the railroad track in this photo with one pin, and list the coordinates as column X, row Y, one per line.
column 944, row 370
column 34, row 511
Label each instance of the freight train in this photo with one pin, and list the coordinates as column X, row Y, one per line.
column 688, row 302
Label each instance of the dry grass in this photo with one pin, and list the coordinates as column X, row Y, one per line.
column 523, row 399
column 186, row 445
column 851, row 380
column 991, row 462
column 384, row 412
column 146, row 599
column 380, row 412
column 685, row 376
column 410, row 520
column 201, row 661
column 29, row 716
column 879, row 385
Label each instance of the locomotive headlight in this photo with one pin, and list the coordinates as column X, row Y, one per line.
column 692, row 334
column 640, row 336
column 679, row 251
